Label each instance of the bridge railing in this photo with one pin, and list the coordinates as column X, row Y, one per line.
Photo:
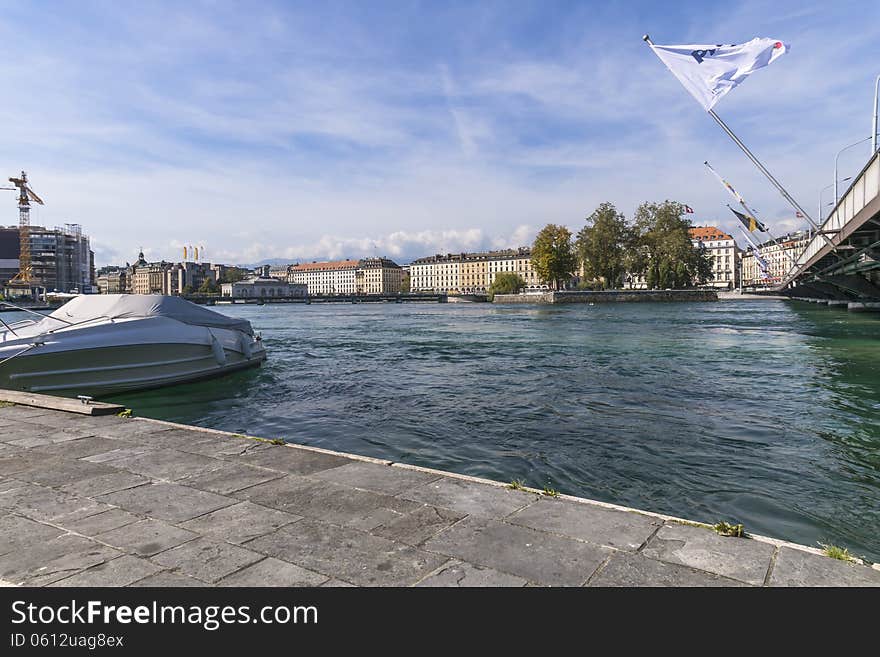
column 864, row 189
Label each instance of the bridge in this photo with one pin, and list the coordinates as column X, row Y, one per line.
column 841, row 264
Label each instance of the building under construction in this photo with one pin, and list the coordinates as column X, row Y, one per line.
column 60, row 258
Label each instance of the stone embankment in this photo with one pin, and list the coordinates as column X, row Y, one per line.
column 88, row 500
column 612, row 296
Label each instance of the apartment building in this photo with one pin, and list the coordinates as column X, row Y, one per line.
column 470, row 273
column 778, row 254
column 378, row 276
column 61, row 258
column 334, row 277
column 724, row 252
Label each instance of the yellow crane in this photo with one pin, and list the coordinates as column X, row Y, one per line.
column 25, row 196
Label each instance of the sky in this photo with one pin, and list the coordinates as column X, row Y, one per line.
column 309, row 131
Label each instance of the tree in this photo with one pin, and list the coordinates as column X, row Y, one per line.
column 506, row 282
column 602, row 245
column 208, row 287
column 553, row 256
column 662, row 249
column 232, row 275
column 404, row 284
column 187, row 290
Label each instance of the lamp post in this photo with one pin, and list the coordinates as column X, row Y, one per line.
column 822, row 191
column 874, row 123
column 837, row 157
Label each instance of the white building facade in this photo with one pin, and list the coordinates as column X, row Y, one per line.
column 334, row 277
column 263, row 288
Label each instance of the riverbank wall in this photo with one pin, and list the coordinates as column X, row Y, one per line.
column 610, row 296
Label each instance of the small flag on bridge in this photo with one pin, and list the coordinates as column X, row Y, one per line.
column 688, row 209
column 749, row 221
column 799, row 215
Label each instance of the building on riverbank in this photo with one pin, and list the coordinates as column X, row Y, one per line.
column 470, row 273
column 61, row 257
column 779, row 254
column 111, row 280
column 262, row 287
column 332, row 277
column 722, row 249
column 725, row 254
column 378, row 276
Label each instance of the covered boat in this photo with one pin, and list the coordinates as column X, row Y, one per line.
column 109, row 343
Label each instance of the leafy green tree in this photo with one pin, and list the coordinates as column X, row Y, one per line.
column 233, row 275
column 506, row 282
column 207, row 287
column 553, row 255
column 404, row 284
column 187, row 290
column 602, row 246
column 662, row 249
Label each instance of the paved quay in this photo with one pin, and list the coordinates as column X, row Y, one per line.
column 113, row 501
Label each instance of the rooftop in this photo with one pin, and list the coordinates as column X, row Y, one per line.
column 330, row 265
column 708, row 233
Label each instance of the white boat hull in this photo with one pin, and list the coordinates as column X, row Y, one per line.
column 125, row 356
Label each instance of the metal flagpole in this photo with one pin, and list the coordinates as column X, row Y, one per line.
column 756, row 252
column 763, row 169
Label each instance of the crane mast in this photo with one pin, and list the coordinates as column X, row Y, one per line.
column 25, row 196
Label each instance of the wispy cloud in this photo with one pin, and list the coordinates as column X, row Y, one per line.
column 306, row 132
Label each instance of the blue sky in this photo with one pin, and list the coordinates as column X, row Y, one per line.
column 321, row 130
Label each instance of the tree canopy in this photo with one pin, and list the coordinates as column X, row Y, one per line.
column 553, row 256
column 602, row 246
column 506, row 282
column 663, row 250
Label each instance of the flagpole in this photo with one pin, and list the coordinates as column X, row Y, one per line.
column 788, row 197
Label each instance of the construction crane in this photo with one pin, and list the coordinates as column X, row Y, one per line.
column 25, row 196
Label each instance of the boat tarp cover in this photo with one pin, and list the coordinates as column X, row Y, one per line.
column 128, row 306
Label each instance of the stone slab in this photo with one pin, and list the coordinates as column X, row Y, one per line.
column 292, row 460
column 273, row 572
column 742, row 559
column 168, row 579
column 168, row 464
column 231, row 477
column 121, row 571
column 146, row 537
column 377, row 478
column 170, row 502
column 101, row 522
column 347, row 554
column 536, row 556
column 207, row 559
column 627, row 569
column 800, row 568
column 620, row 529
column 48, row 561
column 115, row 481
column 417, row 526
column 18, row 532
column 49, row 505
column 79, row 448
column 240, row 523
column 471, row 498
column 462, row 574
column 55, row 472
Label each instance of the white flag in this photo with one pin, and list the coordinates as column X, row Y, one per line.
column 709, row 72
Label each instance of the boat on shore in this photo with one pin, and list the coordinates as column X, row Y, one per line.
column 111, row 343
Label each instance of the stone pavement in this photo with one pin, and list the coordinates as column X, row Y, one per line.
column 110, row 501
